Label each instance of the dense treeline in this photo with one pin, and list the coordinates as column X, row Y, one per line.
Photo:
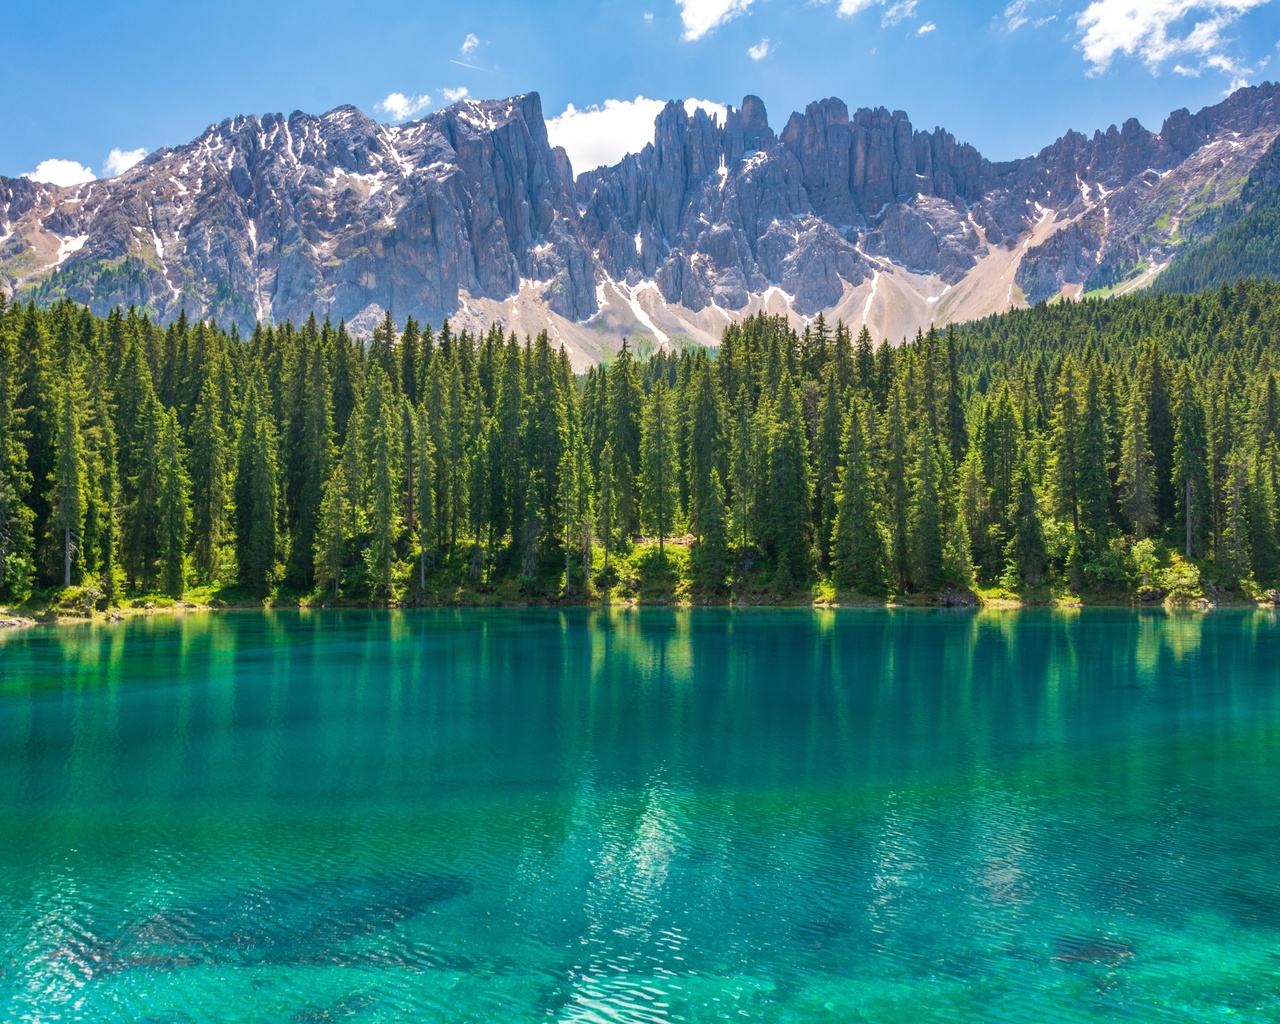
column 1091, row 446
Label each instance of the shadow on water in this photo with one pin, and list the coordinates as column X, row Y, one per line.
column 310, row 924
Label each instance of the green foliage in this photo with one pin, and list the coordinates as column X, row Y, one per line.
column 1044, row 451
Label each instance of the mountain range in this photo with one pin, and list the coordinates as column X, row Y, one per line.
column 470, row 213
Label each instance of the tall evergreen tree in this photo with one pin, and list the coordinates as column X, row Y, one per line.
column 1137, row 471
column 380, row 438
column 926, row 518
column 425, row 467
column 1190, row 470
column 790, row 488
column 858, row 550
column 626, row 398
column 257, row 493
column 897, row 491
column 1093, row 480
column 1064, row 445
column 331, row 533
column 1026, row 545
column 658, row 456
column 606, row 503
column 175, row 498
column 68, row 498
column 145, row 513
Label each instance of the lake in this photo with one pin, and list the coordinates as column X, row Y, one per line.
column 654, row 815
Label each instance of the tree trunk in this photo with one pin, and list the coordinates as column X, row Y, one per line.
column 1187, row 505
column 66, row 557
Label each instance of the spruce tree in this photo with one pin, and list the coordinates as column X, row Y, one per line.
column 1137, row 471
column 897, row 491
column 1026, row 545
column 1264, row 554
column 858, row 551
column 210, row 470
column 257, row 493
column 380, row 433
column 144, row 513
column 1093, row 480
column 658, row 454
column 790, row 488
column 101, row 527
column 175, row 497
column 1064, row 449
column 926, row 521
column 703, row 442
column 827, row 449
column 17, row 555
column 710, row 556
column 606, row 503
column 425, row 467
column 331, row 533
column 626, row 397
column 1190, row 471
column 67, row 499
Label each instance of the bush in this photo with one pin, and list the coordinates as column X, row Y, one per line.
column 1107, row 570
column 1181, row 581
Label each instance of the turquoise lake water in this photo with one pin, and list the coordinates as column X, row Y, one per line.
column 658, row 815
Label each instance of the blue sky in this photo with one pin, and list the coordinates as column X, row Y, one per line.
column 94, row 85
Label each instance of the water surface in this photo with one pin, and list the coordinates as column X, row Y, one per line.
column 642, row 816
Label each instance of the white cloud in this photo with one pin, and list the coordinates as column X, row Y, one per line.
column 399, row 107
column 648, row 16
column 601, row 136
column 848, row 8
column 61, row 172
column 703, row 16
column 1157, row 30
column 760, row 51
column 899, row 13
column 453, row 95
column 469, row 45
column 120, row 160
column 926, row 28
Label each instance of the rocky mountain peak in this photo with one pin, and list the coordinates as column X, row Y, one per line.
column 469, row 212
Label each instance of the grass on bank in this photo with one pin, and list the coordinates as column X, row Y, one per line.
column 1146, row 573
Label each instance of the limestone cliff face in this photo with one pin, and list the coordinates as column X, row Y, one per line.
column 471, row 211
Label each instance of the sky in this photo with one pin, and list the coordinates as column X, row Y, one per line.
column 96, row 85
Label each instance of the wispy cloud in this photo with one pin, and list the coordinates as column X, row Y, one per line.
column 120, row 160
column 899, row 13
column 926, row 28
column 1022, row 12
column 1157, row 31
column 454, row 95
column 703, row 16
column 400, row 107
column 61, row 172
column 603, row 135
column 760, row 51
column 469, row 45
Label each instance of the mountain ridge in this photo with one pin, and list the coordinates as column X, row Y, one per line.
column 470, row 213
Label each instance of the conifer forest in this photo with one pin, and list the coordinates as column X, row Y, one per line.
column 1123, row 450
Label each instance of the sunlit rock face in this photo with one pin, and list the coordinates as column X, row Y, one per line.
column 470, row 213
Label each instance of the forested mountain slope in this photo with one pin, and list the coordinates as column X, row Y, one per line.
column 1241, row 239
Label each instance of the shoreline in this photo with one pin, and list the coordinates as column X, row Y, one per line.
column 23, row 618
